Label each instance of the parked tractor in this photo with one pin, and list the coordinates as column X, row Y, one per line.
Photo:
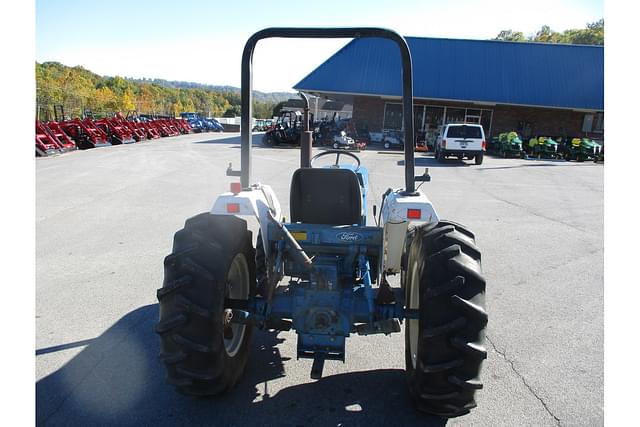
column 510, row 145
column 392, row 140
column 543, row 147
column 286, row 129
column 262, row 125
column 324, row 273
column 581, row 149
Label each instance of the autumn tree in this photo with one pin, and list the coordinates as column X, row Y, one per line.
column 593, row 34
column 78, row 89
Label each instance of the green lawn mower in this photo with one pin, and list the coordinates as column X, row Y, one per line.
column 510, row 145
column 543, row 147
column 581, row 149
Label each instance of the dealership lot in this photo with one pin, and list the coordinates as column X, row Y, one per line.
column 105, row 219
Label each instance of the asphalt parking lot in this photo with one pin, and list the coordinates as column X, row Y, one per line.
column 105, row 219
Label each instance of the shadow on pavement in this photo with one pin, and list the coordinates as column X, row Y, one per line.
column 235, row 139
column 118, row 380
column 433, row 163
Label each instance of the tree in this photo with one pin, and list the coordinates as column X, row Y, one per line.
column 177, row 108
column 593, row 34
column 233, row 111
column 103, row 99
column 127, row 102
column 509, row 35
column 546, row 35
column 77, row 88
column 277, row 108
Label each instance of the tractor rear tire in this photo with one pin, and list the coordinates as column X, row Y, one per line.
column 444, row 348
column 479, row 158
column 212, row 260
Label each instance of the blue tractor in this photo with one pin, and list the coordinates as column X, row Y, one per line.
column 241, row 267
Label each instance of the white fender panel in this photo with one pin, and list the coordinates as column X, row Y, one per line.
column 395, row 221
column 254, row 205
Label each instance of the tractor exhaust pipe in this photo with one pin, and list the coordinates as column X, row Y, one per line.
column 306, row 138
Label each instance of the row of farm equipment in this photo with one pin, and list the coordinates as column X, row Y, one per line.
column 53, row 137
column 511, row 144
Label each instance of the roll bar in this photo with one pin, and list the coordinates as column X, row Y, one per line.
column 247, row 86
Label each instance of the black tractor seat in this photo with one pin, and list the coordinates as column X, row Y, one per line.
column 325, row 196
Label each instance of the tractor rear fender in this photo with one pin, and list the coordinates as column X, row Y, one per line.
column 253, row 206
column 397, row 213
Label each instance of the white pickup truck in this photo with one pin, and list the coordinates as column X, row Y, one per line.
column 461, row 141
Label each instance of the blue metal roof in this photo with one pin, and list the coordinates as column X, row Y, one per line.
column 535, row 74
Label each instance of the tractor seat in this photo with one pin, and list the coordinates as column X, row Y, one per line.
column 325, row 196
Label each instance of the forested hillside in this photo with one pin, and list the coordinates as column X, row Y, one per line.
column 592, row 34
column 78, row 89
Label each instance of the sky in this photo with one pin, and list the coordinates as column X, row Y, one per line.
column 202, row 41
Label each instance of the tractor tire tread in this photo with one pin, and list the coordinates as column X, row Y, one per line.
column 191, row 307
column 192, row 345
column 452, row 320
column 193, row 267
column 458, row 323
column 466, row 384
column 439, row 367
column 448, row 287
column 173, row 358
column 470, row 348
column 172, row 286
column 470, row 308
column 171, row 323
column 441, row 396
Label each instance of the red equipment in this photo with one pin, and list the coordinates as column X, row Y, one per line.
column 118, row 133
column 45, row 142
column 62, row 138
column 183, row 125
column 85, row 134
column 421, row 141
column 172, row 128
column 152, row 132
column 162, row 127
column 137, row 133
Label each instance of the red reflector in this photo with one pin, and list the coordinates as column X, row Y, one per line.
column 236, row 187
column 414, row 213
column 233, row 207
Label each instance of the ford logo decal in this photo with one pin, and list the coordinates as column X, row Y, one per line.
column 349, row 237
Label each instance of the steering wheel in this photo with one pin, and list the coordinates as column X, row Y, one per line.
column 337, row 153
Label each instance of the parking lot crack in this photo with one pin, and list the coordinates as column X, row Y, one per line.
column 532, row 212
column 503, row 355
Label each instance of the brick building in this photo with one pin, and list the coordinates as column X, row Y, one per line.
column 533, row 88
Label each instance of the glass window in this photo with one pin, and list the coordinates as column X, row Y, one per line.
column 418, row 114
column 433, row 118
column 464, row 132
column 455, row 115
column 485, row 121
column 599, row 123
column 392, row 116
